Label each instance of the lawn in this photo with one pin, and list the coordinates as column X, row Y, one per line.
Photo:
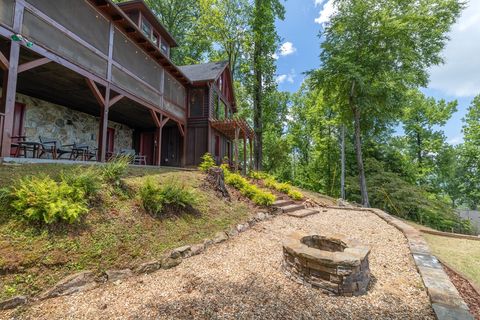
column 117, row 233
column 462, row 254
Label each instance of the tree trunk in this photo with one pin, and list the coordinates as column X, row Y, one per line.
column 419, row 149
column 358, row 151
column 342, row 178
column 257, row 103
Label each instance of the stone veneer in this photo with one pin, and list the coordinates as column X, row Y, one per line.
column 68, row 126
column 336, row 264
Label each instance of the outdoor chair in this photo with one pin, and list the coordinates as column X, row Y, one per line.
column 52, row 146
column 137, row 159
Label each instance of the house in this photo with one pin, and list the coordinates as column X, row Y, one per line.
column 99, row 74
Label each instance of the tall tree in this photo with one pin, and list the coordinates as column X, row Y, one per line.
column 375, row 51
column 471, row 155
column 265, row 43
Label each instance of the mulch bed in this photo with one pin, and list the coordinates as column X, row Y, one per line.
column 468, row 293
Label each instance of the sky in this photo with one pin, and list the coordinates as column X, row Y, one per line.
column 457, row 79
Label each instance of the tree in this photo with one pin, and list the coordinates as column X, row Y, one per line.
column 265, row 43
column 471, row 155
column 421, row 117
column 375, row 51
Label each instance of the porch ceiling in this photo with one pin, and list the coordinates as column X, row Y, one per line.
column 59, row 85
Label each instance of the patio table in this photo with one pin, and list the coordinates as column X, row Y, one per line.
column 34, row 146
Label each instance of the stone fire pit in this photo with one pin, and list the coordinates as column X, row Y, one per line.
column 337, row 265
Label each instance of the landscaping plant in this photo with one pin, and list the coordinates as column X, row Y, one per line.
column 157, row 199
column 114, row 170
column 207, row 162
column 254, row 193
column 283, row 188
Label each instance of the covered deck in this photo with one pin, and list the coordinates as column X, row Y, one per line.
column 237, row 129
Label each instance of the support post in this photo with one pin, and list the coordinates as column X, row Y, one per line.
column 244, row 154
column 237, row 131
column 102, row 133
column 251, row 151
column 184, row 154
column 9, row 89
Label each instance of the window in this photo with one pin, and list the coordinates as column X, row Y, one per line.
column 165, row 47
column 146, row 28
column 196, row 103
column 217, row 146
column 155, row 39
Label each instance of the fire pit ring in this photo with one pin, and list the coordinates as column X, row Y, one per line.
column 335, row 264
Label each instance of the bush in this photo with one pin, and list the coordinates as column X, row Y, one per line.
column 207, row 162
column 259, row 175
column 257, row 195
column 156, row 199
column 283, row 188
column 87, row 179
column 114, row 170
column 41, row 199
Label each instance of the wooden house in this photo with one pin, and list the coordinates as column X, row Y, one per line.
column 99, row 74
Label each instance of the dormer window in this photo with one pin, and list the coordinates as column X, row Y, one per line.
column 146, row 28
column 165, row 47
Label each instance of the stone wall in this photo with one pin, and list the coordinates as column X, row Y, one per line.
column 68, row 126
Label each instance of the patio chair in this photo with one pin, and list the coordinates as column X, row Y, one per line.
column 52, row 146
column 137, row 159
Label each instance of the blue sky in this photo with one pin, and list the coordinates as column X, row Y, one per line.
column 458, row 78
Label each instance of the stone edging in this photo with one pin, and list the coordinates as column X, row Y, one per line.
column 451, row 235
column 87, row 280
column 446, row 301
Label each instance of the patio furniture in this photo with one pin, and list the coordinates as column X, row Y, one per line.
column 49, row 146
column 33, row 146
column 137, row 159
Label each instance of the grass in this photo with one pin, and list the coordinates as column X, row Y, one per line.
column 462, row 254
column 115, row 234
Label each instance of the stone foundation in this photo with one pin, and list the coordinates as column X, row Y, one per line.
column 336, row 265
column 68, row 126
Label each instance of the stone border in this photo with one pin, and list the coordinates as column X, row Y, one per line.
column 446, row 302
column 87, row 280
column 451, row 235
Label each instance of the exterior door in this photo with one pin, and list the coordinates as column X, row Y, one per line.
column 147, row 146
column 18, row 126
column 171, row 146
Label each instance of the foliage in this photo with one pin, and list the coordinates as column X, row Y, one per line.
column 283, row 188
column 87, row 179
column 259, row 175
column 374, row 54
column 157, row 198
column 207, row 162
column 115, row 169
column 251, row 191
column 41, row 199
column 396, row 196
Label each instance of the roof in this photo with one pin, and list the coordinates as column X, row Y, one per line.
column 151, row 16
column 229, row 126
column 204, row 72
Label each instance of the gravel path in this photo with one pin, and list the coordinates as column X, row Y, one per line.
column 242, row 279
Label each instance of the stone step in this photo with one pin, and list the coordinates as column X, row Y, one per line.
column 293, row 207
column 282, row 203
column 302, row 213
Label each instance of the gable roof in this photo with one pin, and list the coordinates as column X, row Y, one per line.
column 204, row 72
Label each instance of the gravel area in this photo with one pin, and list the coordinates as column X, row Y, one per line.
column 242, row 279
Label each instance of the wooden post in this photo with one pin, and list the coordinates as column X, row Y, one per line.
column 102, row 132
column 184, row 155
column 237, row 131
column 9, row 89
column 9, row 86
column 244, row 154
column 251, row 151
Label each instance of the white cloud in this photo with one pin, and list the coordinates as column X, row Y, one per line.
column 275, row 56
column 456, row 140
column 327, row 11
column 287, row 49
column 460, row 75
column 286, row 77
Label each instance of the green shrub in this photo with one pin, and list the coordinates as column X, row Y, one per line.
column 114, row 170
column 87, row 179
column 295, row 195
column 156, row 199
column 283, row 188
column 41, row 199
column 254, row 193
column 207, row 162
column 259, row 175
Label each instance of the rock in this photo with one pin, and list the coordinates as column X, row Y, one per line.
column 13, row 302
column 220, row 237
column 183, row 252
column 197, row 249
column 261, row 216
column 232, row 232
column 207, row 243
column 342, row 203
column 115, row 275
column 242, row 227
column 148, row 267
column 169, row 262
column 77, row 282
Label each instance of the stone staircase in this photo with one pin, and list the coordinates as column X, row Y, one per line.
column 293, row 209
